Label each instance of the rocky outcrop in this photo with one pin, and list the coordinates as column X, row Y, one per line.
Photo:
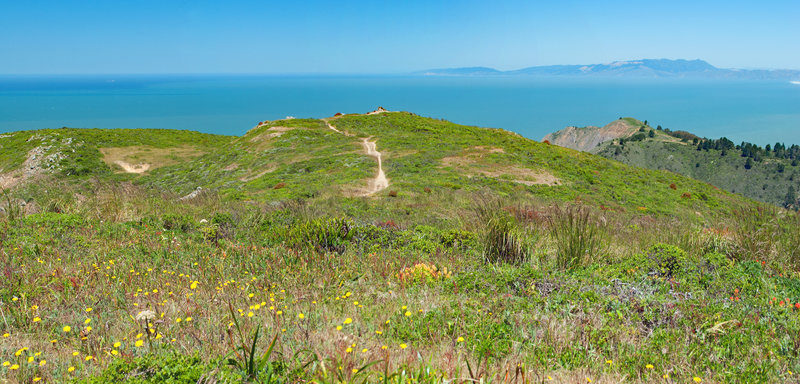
column 588, row 139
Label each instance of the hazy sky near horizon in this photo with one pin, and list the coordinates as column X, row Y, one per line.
column 87, row 37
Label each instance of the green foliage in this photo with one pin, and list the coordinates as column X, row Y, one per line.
column 172, row 222
column 322, row 273
column 668, row 261
column 720, row 163
column 324, row 235
column 172, row 368
column 54, row 220
column 251, row 364
column 419, row 154
column 84, row 160
column 75, row 152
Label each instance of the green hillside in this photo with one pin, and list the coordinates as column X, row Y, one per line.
column 770, row 176
column 488, row 258
column 304, row 158
column 84, row 152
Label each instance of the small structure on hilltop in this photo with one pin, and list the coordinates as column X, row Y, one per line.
column 379, row 110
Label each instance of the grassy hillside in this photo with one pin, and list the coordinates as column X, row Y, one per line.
column 82, row 152
column 768, row 179
column 422, row 156
column 489, row 258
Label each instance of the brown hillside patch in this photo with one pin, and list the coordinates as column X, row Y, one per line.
column 142, row 158
column 474, row 161
column 470, row 156
column 522, row 175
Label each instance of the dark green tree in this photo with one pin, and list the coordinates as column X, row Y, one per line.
column 748, row 164
column 790, row 201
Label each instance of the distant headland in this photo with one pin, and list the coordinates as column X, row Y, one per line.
column 642, row 68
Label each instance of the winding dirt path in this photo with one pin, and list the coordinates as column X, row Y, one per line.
column 380, row 182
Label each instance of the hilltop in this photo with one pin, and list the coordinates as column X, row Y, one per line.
column 641, row 68
column 306, row 158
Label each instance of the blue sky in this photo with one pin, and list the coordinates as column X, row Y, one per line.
column 55, row 37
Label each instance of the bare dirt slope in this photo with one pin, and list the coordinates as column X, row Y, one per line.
column 588, row 139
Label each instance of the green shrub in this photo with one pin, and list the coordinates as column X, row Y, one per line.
column 460, row 239
column 177, row 223
column 54, row 220
column 325, row 235
column 666, row 260
column 224, row 223
column 716, row 261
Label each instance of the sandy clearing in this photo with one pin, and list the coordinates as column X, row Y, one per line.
column 142, row 158
column 133, row 168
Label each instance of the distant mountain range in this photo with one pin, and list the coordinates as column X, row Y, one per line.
column 658, row 68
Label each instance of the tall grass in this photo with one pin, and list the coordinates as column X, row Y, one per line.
column 502, row 238
column 755, row 233
column 577, row 235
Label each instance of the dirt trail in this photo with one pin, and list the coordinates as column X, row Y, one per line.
column 380, row 182
column 336, row 130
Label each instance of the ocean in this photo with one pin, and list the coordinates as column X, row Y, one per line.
column 758, row 112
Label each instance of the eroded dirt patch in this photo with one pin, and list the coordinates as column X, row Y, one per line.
column 522, row 175
column 133, row 168
column 471, row 156
column 141, row 158
column 476, row 161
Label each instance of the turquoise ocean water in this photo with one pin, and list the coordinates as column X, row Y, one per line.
column 759, row 112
